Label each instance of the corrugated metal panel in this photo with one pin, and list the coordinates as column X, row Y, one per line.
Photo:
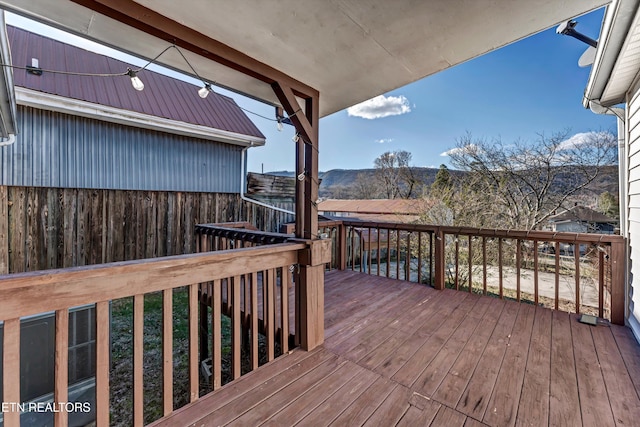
column 59, row 150
column 163, row 96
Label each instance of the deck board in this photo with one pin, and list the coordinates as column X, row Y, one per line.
column 405, row 354
column 503, row 406
column 362, row 408
column 623, row 397
column 596, row 410
column 564, row 405
column 433, row 375
column 457, row 379
column 475, row 398
column 341, row 399
column 533, row 409
column 392, row 409
column 411, row 370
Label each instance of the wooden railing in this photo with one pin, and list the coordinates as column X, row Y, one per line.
column 261, row 308
column 231, row 277
column 575, row 272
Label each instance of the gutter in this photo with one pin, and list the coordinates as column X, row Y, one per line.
column 619, row 16
column 242, row 183
column 10, row 140
column 46, row 101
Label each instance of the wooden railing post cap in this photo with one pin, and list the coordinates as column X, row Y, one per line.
column 317, row 252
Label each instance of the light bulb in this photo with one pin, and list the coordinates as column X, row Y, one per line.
column 135, row 80
column 280, row 126
column 204, row 91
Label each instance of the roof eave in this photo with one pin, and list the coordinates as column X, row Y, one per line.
column 615, row 27
column 8, row 115
column 45, row 101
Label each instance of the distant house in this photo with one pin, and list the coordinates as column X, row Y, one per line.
column 386, row 210
column 580, row 219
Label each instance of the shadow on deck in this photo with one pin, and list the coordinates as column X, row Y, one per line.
column 397, row 353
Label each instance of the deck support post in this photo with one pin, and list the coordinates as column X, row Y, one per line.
column 303, row 111
column 439, row 259
column 342, row 247
column 618, row 286
column 310, row 300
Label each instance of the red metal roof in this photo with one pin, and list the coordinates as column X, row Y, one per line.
column 163, row 96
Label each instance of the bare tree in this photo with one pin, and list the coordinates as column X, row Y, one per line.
column 365, row 188
column 395, row 176
column 520, row 185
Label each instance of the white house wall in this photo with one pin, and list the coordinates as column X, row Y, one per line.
column 60, row 150
column 633, row 207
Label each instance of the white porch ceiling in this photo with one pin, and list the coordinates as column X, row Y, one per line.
column 349, row 50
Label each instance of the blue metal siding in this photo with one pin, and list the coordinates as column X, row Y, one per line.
column 59, row 150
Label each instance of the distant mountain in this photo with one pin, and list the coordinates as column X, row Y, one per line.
column 335, row 181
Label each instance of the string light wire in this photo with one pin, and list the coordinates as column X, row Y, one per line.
column 136, row 71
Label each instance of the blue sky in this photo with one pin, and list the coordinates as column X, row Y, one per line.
column 529, row 87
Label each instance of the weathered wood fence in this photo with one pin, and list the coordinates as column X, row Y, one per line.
column 46, row 228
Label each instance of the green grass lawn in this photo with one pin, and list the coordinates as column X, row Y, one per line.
column 122, row 355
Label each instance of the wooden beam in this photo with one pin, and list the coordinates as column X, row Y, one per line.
column 311, row 166
column 618, row 286
column 296, row 114
column 299, row 189
column 302, row 125
column 144, row 19
column 306, row 157
column 310, row 281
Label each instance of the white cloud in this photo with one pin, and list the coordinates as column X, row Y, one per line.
column 583, row 138
column 471, row 149
column 384, row 140
column 380, row 106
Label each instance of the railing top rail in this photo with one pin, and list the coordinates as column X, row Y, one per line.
column 490, row 232
column 237, row 233
column 36, row 292
column 567, row 237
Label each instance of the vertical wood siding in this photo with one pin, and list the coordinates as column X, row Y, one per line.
column 633, row 172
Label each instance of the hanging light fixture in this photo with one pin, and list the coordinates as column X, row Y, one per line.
column 204, row 91
column 135, row 80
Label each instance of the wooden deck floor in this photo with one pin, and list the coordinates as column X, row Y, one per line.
column 397, row 353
